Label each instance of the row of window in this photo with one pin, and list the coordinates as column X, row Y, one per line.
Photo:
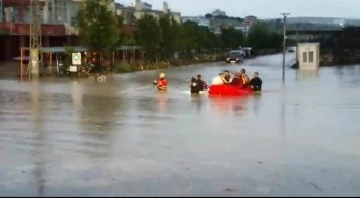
column 308, row 57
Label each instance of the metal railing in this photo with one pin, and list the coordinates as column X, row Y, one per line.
column 17, row 19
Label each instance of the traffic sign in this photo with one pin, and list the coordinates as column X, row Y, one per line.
column 76, row 58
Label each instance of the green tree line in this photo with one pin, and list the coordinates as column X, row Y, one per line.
column 161, row 38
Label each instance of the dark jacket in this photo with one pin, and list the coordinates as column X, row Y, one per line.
column 196, row 85
column 256, row 84
column 236, row 81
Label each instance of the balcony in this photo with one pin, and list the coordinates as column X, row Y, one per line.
column 9, row 28
column 15, row 3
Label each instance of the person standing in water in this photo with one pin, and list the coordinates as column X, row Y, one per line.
column 256, row 82
column 197, row 84
column 161, row 83
column 244, row 78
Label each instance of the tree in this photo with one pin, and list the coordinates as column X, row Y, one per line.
column 231, row 38
column 259, row 36
column 149, row 35
column 208, row 16
column 169, row 32
column 98, row 25
column 189, row 36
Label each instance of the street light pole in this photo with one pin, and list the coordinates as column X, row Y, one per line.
column 284, row 44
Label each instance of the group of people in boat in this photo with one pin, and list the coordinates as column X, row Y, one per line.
column 240, row 80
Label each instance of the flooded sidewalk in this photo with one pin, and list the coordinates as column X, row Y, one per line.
column 66, row 137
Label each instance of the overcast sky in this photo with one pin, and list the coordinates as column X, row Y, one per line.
column 262, row 8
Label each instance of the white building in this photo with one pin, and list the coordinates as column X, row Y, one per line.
column 308, row 56
column 204, row 22
column 131, row 13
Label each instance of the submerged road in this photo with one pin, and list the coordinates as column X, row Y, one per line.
column 63, row 137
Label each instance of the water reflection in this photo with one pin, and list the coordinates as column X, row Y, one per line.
column 99, row 117
column 197, row 101
column 38, row 121
column 77, row 95
column 229, row 105
column 307, row 75
column 162, row 100
column 256, row 102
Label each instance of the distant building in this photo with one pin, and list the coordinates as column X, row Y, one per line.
column 218, row 12
column 131, row 13
column 146, row 6
column 250, row 20
column 200, row 20
column 189, row 18
column 216, row 23
column 204, row 22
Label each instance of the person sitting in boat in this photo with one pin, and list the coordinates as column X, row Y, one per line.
column 236, row 81
column 244, row 78
column 227, row 76
column 220, row 79
column 161, row 83
column 256, row 82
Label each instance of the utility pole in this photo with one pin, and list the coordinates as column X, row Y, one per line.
column 284, row 45
column 297, row 42
column 35, row 38
column 1, row 11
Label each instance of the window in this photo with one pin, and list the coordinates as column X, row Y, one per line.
column 311, row 57
column 305, row 57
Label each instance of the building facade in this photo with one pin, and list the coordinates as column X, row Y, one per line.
column 200, row 20
column 131, row 13
column 250, row 20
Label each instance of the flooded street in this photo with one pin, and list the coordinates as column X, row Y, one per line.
column 64, row 137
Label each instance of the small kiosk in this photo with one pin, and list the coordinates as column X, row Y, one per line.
column 308, row 56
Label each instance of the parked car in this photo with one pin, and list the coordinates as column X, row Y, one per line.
column 235, row 56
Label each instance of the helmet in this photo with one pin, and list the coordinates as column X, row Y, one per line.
column 161, row 75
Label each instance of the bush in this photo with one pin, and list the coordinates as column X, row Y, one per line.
column 126, row 67
column 123, row 67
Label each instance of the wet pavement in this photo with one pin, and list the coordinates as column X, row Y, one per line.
column 64, row 137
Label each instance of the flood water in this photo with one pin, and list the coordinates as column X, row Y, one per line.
column 68, row 137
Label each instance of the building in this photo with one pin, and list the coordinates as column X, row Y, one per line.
column 217, row 24
column 218, row 12
column 200, row 20
column 57, row 18
column 146, row 6
column 250, row 20
column 131, row 13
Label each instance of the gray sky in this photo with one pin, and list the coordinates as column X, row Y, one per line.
column 262, row 8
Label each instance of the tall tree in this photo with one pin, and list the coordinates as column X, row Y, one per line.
column 232, row 38
column 149, row 35
column 98, row 25
column 259, row 36
column 169, row 35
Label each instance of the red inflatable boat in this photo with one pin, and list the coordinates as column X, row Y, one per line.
column 228, row 90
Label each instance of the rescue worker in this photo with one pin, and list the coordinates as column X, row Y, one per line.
column 236, row 81
column 161, row 83
column 196, row 85
column 244, row 78
column 256, row 82
column 203, row 83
